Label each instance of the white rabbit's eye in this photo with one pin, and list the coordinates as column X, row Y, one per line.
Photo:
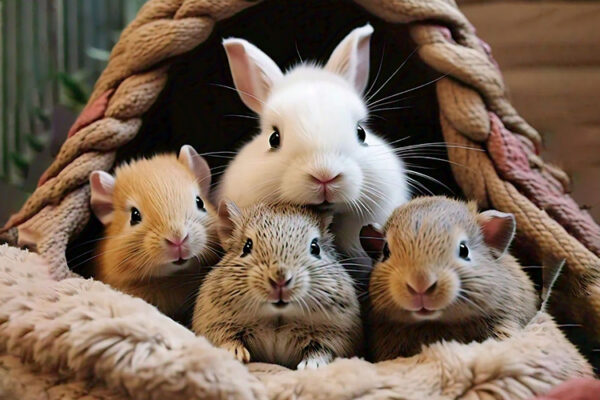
column 275, row 139
column 362, row 135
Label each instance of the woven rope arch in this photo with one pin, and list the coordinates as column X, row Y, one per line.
column 508, row 175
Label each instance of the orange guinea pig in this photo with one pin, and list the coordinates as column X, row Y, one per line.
column 159, row 228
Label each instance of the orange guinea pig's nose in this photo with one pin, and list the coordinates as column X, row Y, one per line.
column 177, row 241
column 325, row 179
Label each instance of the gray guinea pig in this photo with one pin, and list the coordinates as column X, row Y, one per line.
column 444, row 274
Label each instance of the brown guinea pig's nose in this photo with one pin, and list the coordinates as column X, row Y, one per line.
column 280, row 283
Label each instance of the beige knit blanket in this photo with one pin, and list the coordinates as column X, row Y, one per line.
column 508, row 175
column 78, row 338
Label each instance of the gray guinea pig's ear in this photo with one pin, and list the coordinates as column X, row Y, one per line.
column 498, row 229
column 372, row 240
column 102, row 186
column 190, row 158
column 228, row 211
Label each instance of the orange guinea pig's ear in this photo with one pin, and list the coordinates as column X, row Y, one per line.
column 498, row 229
column 102, row 185
column 372, row 240
column 189, row 157
column 228, row 211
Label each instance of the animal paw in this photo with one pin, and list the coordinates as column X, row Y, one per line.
column 314, row 362
column 239, row 351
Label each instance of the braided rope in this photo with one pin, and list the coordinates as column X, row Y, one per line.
column 137, row 72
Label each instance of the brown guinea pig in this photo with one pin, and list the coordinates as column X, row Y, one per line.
column 279, row 295
column 159, row 228
column 444, row 274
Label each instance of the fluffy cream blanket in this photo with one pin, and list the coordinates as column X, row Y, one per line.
column 78, row 338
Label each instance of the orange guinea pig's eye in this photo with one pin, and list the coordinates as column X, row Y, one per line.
column 136, row 216
column 200, row 203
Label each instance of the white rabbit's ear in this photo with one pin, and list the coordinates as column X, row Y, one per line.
column 102, row 185
column 198, row 165
column 254, row 72
column 351, row 57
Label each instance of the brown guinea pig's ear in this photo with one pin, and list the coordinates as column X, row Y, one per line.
column 325, row 220
column 227, row 212
column 102, row 186
column 198, row 165
column 498, row 229
column 372, row 240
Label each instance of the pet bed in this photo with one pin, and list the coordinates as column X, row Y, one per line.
column 82, row 338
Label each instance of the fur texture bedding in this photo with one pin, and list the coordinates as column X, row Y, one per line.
column 79, row 338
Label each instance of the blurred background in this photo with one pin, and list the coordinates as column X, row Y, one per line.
column 52, row 51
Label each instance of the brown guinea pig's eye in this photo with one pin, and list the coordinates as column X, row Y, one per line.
column 247, row 248
column 136, row 216
column 385, row 252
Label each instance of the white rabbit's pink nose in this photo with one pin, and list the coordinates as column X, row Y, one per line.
column 325, row 179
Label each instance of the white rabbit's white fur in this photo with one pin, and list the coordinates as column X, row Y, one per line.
column 316, row 111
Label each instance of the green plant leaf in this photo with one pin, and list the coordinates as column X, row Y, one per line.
column 43, row 116
column 20, row 161
column 73, row 89
column 98, row 54
column 37, row 142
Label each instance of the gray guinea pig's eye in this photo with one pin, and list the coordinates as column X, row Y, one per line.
column 463, row 251
column 247, row 248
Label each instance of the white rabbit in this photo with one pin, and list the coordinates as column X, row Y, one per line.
column 314, row 147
